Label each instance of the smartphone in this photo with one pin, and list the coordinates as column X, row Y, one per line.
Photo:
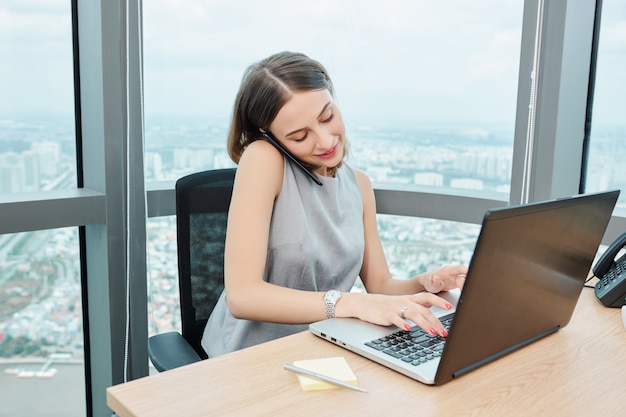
column 268, row 136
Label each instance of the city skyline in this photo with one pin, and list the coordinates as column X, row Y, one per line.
column 438, row 155
column 461, row 158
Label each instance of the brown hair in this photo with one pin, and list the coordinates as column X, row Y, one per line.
column 265, row 88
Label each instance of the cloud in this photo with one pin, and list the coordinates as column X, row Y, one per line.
column 405, row 51
column 401, row 58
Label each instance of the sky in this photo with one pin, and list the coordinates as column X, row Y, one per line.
column 437, row 61
column 400, row 59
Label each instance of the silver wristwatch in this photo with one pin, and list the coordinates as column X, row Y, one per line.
column 330, row 299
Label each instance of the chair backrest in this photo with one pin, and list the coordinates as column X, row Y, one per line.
column 202, row 201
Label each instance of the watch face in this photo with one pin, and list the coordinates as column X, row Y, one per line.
column 332, row 296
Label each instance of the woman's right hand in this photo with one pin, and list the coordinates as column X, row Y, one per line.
column 396, row 310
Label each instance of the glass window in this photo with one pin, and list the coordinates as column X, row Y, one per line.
column 41, row 331
column 605, row 164
column 415, row 245
column 163, row 306
column 37, row 140
column 427, row 91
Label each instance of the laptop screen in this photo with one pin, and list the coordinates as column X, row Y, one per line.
column 525, row 277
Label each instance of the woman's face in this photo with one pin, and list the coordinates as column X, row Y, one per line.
column 309, row 125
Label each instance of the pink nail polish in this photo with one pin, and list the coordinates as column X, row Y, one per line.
column 448, row 306
column 444, row 333
column 407, row 327
column 433, row 330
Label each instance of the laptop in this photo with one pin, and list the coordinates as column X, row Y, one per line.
column 528, row 269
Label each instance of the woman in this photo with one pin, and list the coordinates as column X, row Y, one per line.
column 294, row 248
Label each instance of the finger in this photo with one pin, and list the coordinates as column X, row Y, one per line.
column 427, row 321
column 401, row 322
column 431, row 300
column 460, row 280
column 422, row 316
column 436, row 284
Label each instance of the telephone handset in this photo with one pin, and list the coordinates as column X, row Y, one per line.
column 268, row 136
column 611, row 289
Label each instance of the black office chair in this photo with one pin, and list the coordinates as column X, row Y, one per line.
column 202, row 201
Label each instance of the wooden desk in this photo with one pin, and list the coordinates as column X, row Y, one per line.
column 579, row 371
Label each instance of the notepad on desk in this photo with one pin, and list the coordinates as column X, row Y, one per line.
column 336, row 367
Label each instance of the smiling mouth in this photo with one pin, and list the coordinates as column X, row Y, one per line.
column 329, row 153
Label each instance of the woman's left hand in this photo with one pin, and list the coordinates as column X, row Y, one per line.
column 445, row 279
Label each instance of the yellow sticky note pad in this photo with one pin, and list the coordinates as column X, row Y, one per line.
column 337, row 368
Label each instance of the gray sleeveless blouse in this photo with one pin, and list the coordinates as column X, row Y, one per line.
column 316, row 243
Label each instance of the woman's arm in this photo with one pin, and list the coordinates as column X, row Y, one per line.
column 257, row 184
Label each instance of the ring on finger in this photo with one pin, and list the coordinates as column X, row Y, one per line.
column 402, row 311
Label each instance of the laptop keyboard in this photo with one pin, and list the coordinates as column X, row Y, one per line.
column 413, row 346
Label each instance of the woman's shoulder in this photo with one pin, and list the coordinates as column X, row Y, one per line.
column 261, row 164
column 361, row 177
column 261, row 149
